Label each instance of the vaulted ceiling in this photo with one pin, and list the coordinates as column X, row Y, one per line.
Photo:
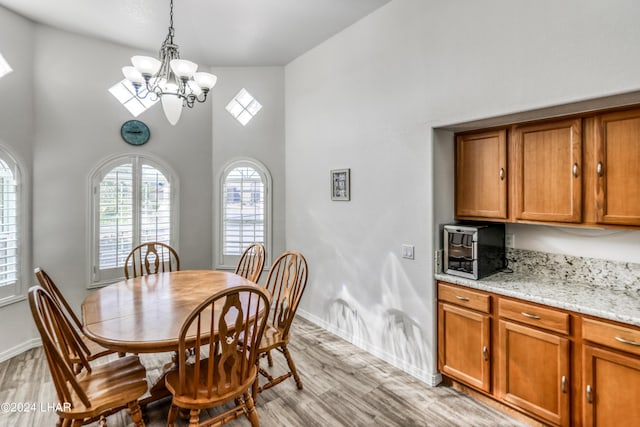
column 210, row 32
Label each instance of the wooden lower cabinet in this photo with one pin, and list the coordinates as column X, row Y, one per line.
column 611, row 388
column 558, row 367
column 463, row 345
column 533, row 371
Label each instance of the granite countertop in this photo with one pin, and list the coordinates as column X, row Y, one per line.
column 592, row 297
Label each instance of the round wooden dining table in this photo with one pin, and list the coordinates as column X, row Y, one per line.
column 144, row 314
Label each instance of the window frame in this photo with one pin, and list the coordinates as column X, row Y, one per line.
column 96, row 177
column 17, row 292
column 229, row 262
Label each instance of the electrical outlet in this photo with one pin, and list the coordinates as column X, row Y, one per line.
column 509, row 240
column 407, row 251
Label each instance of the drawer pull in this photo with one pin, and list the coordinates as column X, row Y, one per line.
column 622, row 340
column 530, row 316
column 461, row 298
column 485, row 354
column 563, row 384
column 501, row 174
column 599, row 169
column 589, row 394
column 575, row 170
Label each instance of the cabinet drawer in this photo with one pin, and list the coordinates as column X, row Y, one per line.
column 534, row 315
column 614, row 336
column 463, row 297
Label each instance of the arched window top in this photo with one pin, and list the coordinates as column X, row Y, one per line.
column 245, row 209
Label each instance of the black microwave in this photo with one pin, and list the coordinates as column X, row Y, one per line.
column 474, row 251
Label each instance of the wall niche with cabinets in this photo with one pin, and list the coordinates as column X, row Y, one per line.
column 576, row 170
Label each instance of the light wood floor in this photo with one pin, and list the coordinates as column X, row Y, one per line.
column 343, row 386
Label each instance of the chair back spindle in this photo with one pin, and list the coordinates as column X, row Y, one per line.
column 151, row 258
column 251, row 262
column 286, row 281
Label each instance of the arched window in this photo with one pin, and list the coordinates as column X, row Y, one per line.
column 134, row 201
column 11, row 239
column 245, row 209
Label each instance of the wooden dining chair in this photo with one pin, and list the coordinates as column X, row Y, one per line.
column 95, row 392
column 251, row 262
column 286, row 282
column 151, row 258
column 219, row 371
column 93, row 349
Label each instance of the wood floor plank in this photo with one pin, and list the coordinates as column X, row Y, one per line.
column 343, row 386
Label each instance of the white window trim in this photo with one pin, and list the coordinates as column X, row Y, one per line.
column 22, row 206
column 219, row 258
column 95, row 177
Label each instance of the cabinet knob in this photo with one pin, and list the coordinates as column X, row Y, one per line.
column 589, row 394
column 563, row 384
column 485, row 353
column 501, row 174
column 599, row 169
column 575, row 170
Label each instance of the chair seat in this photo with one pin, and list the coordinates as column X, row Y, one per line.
column 271, row 338
column 109, row 385
column 202, row 400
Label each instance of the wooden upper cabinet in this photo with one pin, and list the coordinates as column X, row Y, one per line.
column 481, row 175
column 617, row 159
column 547, row 171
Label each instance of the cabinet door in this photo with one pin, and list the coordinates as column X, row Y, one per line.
column 617, row 167
column 534, row 371
column 547, row 161
column 611, row 387
column 463, row 345
column 481, row 175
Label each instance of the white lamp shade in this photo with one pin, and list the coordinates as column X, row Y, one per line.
column 146, row 65
column 182, row 68
column 171, row 104
column 133, row 75
column 195, row 89
column 205, row 80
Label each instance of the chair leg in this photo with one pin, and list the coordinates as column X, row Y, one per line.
column 269, row 359
column 136, row 413
column 292, row 366
column 252, row 414
column 194, row 419
column 171, row 418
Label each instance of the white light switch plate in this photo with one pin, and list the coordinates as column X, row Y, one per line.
column 407, row 251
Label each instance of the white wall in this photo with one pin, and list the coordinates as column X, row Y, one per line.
column 17, row 135
column 261, row 139
column 369, row 98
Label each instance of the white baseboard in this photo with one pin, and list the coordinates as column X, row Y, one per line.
column 20, row 348
column 428, row 378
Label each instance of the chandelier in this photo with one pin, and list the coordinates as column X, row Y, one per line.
column 172, row 80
